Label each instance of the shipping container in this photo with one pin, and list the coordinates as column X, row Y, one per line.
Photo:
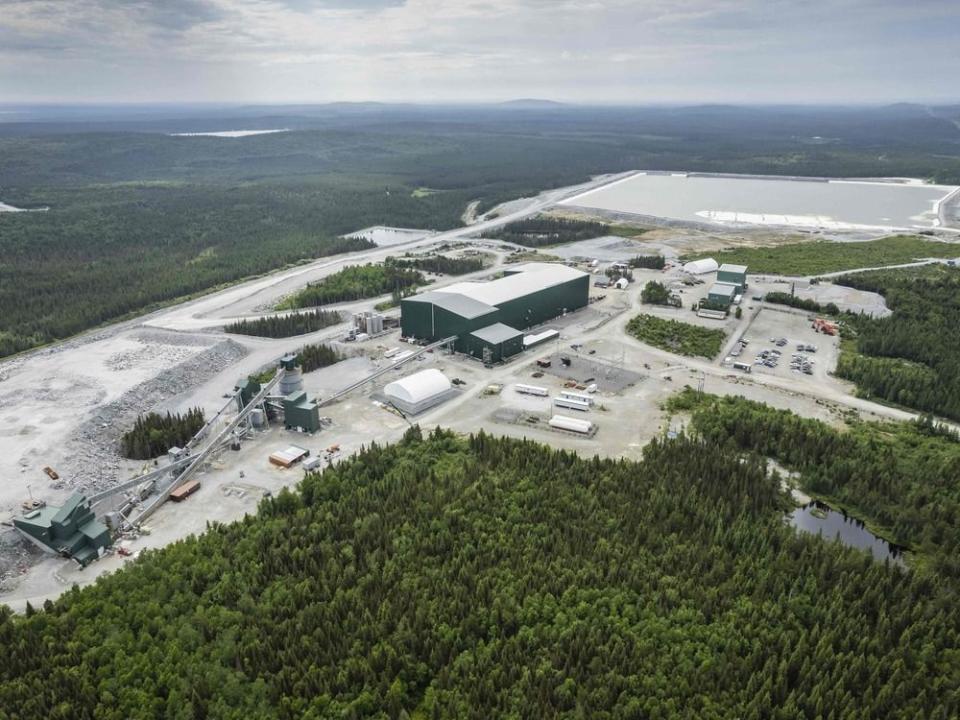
column 185, row 491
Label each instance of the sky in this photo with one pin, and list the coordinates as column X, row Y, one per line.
column 581, row 51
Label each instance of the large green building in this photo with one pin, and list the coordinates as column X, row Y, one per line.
column 488, row 318
column 71, row 530
column 733, row 275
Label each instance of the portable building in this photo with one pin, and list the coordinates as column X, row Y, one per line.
column 531, row 390
column 289, row 457
column 571, row 404
column 418, row 392
column 562, row 422
column 569, row 395
column 185, row 490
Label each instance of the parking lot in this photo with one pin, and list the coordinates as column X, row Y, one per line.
column 784, row 343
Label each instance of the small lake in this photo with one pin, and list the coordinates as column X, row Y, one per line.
column 819, row 519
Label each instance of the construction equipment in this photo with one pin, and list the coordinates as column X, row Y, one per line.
column 826, row 327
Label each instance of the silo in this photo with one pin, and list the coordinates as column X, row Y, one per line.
column 292, row 380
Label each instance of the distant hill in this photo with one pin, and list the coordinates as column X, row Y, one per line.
column 531, row 104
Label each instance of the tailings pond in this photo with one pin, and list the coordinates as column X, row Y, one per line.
column 819, row 519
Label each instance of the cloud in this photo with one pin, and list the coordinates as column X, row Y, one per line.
column 612, row 50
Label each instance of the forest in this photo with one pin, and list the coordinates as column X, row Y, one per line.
column 317, row 355
column 443, row 265
column 676, row 336
column 281, row 326
column 451, row 577
column 900, row 478
column 153, row 434
column 824, row 256
column 542, row 231
column 912, row 357
column 357, row 282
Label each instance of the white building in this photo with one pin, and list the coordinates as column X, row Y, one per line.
column 418, row 392
column 701, row 267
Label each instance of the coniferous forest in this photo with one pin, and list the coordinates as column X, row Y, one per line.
column 446, row 577
column 281, row 326
column 153, row 434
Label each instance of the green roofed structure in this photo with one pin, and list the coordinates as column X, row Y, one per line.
column 71, row 530
column 733, row 275
column 299, row 412
column 492, row 315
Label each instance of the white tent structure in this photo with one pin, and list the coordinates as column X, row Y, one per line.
column 701, row 267
column 415, row 393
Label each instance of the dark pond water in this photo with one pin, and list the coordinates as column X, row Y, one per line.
column 818, row 518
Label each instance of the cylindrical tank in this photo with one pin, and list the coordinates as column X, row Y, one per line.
column 292, row 381
column 258, row 418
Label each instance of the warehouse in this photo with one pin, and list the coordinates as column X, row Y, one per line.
column 418, row 392
column 733, row 275
column 722, row 295
column 527, row 295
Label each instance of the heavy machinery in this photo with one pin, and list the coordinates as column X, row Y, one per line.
column 826, row 327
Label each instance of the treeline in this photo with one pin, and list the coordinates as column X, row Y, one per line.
column 153, row 434
column 900, row 478
column 541, row 231
column 676, row 336
column 783, row 298
column 443, row 265
column 911, row 357
column 281, row 326
column 357, row 282
column 475, row 578
column 318, row 355
column 650, row 262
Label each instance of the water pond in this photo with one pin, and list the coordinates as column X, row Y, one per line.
column 819, row 519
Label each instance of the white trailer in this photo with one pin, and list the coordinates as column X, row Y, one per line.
column 580, row 397
column 391, row 352
column 562, row 422
column 531, row 390
column 571, row 404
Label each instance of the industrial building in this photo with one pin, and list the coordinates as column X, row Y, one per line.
column 418, row 392
column 487, row 317
column 722, row 294
column 71, row 530
column 733, row 275
column 300, row 413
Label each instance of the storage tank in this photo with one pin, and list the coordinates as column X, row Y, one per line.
column 292, row 380
column 562, row 422
column 258, row 418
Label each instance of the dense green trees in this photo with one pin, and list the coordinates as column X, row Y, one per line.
column 481, row 578
column 541, row 231
column 356, row 282
column 153, row 434
column 281, row 326
column 911, row 357
column 443, row 265
column 650, row 262
column 784, row 298
column 315, row 356
column 655, row 293
column 902, row 478
column 677, row 336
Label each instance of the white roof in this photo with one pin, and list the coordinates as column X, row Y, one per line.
column 700, row 267
column 417, row 387
column 523, row 280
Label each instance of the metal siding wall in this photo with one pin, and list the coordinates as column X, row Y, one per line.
column 415, row 319
column 546, row 304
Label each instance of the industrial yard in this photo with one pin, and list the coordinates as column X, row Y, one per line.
column 534, row 348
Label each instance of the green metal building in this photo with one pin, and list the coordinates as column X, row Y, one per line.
column 492, row 315
column 299, row 412
column 722, row 294
column 72, row 530
column 733, row 275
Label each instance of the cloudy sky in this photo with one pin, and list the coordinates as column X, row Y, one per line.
column 625, row 51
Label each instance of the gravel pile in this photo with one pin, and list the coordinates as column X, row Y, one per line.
column 93, row 461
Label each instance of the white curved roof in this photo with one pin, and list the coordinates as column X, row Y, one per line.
column 418, row 387
column 699, row 267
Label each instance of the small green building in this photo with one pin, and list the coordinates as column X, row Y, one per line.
column 71, row 530
column 735, row 275
column 493, row 343
column 248, row 388
column 299, row 412
column 721, row 295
